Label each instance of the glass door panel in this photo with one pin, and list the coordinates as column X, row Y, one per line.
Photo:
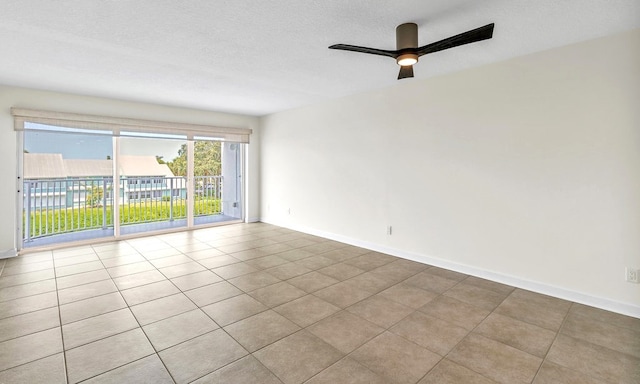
column 217, row 192
column 67, row 185
column 69, row 192
column 153, row 186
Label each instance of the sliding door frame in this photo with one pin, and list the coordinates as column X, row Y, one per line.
column 115, row 126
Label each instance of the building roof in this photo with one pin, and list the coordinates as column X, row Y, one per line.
column 142, row 166
column 84, row 168
column 54, row 166
column 43, row 166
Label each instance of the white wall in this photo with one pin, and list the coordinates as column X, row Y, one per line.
column 526, row 171
column 26, row 98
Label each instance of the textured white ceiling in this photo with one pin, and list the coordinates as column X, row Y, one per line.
column 259, row 57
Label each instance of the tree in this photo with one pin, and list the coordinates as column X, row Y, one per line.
column 207, row 159
column 160, row 159
column 94, row 198
column 179, row 164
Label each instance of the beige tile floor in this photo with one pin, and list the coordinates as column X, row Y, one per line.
column 255, row 303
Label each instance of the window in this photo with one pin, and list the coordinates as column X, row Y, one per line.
column 146, row 180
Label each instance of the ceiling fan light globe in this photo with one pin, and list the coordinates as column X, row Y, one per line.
column 407, row 59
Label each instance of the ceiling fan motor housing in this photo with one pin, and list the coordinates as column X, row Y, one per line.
column 408, row 52
column 407, row 37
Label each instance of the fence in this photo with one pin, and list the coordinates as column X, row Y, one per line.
column 57, row 206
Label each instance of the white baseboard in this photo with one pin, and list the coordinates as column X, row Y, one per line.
column 8, row 253
column 546, row 289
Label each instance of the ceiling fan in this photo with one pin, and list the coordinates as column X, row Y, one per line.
column 407, row 51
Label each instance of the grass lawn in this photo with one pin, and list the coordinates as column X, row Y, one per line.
column 54, row 221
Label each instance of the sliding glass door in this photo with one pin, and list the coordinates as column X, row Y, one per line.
column 67, row 185
column 153, row 182
column 216, row 181
column 162, row 182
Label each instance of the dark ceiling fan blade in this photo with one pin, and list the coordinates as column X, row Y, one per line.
column 373, row 51
column 472, row 36
column 405, row 71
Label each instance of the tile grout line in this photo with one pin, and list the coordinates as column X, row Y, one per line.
column 142, row 329
column 544, row 359
column 35, row 310
column 33, row 332
column 198, row 308
column 119, row 333
column 559, row 332
column 44, row 357
column 221, row 328
column 64, row 351
column 236, row 341
column 268, row 308
column 120, row 366
column 243, row 291
column 128, row 306
column 225, row 331
column 103, row 338
column 313, row 255
column 468, row 333
column 386, row 329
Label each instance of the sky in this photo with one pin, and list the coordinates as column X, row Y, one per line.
column 166, row 148
column 91, row 146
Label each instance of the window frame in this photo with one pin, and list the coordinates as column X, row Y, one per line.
column 123, row 127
